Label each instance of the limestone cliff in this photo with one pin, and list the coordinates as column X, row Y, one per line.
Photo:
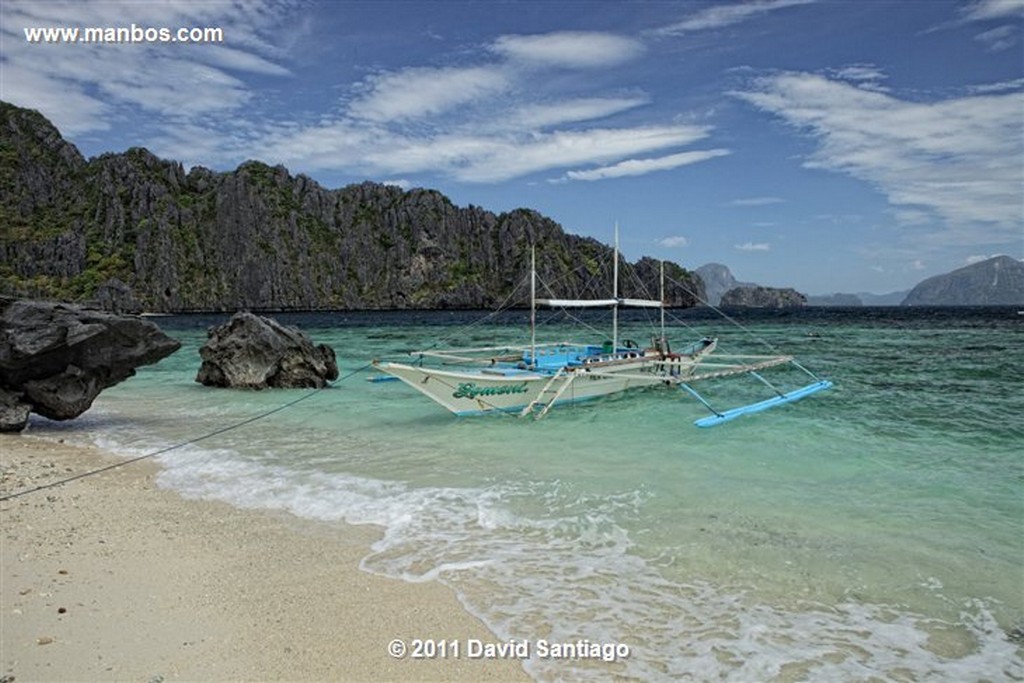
column 133, row 231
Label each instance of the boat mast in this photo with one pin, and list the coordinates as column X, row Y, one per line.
column 615, row 292
column 661, row 295
column 533, row 305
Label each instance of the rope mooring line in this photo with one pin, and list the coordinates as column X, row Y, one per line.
column 182, row 444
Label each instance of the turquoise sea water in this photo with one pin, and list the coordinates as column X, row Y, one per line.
column 871, row 532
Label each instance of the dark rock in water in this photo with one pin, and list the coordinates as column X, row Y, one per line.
column 56, row 358
column 763, row 297
column 253, row 352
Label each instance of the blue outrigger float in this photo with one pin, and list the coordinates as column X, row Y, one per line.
column 530, row 380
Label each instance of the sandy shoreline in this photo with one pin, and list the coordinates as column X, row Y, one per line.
column 110, row 578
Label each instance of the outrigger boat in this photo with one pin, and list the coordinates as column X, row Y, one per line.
column 530, row 380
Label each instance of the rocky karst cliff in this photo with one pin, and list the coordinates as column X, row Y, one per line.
column 135, row 232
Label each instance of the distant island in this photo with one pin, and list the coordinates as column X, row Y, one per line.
column 858, row 299
column 763, row 297
column 888, row 299
column 718, row 280
column 835, row 300
column 998, row 281
column 723, row 289
column 133, row 232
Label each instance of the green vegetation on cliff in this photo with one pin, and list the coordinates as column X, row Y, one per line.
column 135, row 231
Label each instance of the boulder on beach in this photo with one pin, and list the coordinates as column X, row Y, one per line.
column 13, row 412
column 56, row 358
column 253, row 352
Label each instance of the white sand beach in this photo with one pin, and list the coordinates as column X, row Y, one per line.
column 112, row 578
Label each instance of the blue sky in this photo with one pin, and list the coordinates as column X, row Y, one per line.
column 827, row 146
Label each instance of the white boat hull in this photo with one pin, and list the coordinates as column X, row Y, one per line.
column 486, row 391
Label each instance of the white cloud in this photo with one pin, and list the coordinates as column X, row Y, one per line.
column 959, row 160
column 976, row 259
column 544, row 115
column 756, row 201
column 726, row 15
column 488, row 161
column 482, row 121
column 860, row 72
column 910, row 216
column 572, row 49
column 487, row 122
column 464, row 154
column 424, row 91
column 917, row 264
column 865, row 76
column 84, row 87
column 70, row 109
column 1003, row 86
column 1000, row 38
column 751, row 246
column 674, row 242
column 984, row 10
column 239, row 60
column 324, row 146
column 177, row 87
column 634, row 167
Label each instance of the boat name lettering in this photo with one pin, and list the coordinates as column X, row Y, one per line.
column 471, row 390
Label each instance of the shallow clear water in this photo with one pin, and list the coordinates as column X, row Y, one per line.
column 874, row 530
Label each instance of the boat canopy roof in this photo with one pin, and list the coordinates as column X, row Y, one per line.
column 599, row 303
column 641, row 303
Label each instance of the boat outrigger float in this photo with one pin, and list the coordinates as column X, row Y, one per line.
column 530, row 380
